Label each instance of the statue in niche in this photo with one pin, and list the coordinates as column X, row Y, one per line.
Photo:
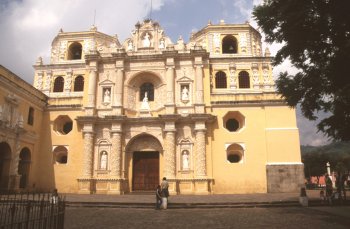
column 185, row 160
column 103, row 161
column 146, row 41
column 184, row 94
column 145, row 105
column 130, row 46
column 107, row 96
column 180, row 43
column 162, row 44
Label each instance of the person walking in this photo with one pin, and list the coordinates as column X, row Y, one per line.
column 158, row 197
column 54, row 196
column 329, row 189
column 165, row 192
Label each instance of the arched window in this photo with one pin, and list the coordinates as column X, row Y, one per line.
column 59, row 84
column 75, row 51
column 149, row 88
column 79, row 83
column 31, row 116
column 220, row 80
column 243, row 79
column 60, row 155
column 229, row 44
column 235, row 153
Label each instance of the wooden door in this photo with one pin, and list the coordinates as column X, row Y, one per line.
column 145, row 171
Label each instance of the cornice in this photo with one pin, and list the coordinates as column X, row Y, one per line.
column 222, row 27
column 276, row 102
column 60, row 66
column 17, row 85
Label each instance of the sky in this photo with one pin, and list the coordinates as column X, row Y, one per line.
column 29, row 26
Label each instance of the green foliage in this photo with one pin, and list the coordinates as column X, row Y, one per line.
column 316, row 38
column 315, row 158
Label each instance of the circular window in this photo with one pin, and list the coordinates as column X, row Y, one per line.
column 234, row 158
column 232, row 125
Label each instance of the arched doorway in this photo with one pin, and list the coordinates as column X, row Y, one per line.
column 145, row 170
column 5, row 159
column 145, row 152
column 23, row 167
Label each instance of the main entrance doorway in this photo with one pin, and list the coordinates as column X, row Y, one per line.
column 145, row 170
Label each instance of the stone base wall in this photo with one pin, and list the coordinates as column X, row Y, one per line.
column 102, row 186
column 284, row 178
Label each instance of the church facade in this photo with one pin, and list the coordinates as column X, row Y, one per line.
column 120, row 116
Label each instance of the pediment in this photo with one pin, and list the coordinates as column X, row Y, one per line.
column 106, row 82
column 184, row 79
column 147, row 35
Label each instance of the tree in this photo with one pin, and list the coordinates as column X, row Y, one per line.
column 315, row 36
column 315, row 158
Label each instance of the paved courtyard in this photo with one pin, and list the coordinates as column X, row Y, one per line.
column 285, row 217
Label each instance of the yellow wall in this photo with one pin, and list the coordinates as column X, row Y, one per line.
column 262, row 145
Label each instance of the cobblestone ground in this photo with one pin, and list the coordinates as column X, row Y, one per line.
column 291, row 217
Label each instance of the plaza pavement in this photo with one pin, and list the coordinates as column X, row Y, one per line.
column 193, row 201
column 265, row 210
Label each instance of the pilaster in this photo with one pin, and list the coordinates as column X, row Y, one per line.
column 200, row 156
column 118, row 90
column 47, row 85
column 170, row 77
column 199, row 105
column 116, row 153
column 88, row 154
column 68, row 81
column 169, row 153
column 90, row 108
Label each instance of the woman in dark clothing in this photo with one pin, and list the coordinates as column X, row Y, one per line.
column 158, row 197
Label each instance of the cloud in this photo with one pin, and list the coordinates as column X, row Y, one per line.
column 29, row 26
column 308, row 130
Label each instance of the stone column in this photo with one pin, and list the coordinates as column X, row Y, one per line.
column 199, row 106
column 86, row 183
column 233, row 77
column 116, row 180
column 170, row 79
column 39, row 80
column 88, row 154
column 14, row 177
column 169, row 153
column 116, row 155
column 47, row 85
column 118, row 92
column 199, row 84
column 68, row 81
column 200, row 157
column 91, row 92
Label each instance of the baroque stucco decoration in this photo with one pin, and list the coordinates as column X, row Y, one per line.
column 144, row 142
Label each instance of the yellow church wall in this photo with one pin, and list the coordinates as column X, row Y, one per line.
column 44, row 162
column 249, row 175
column 62, row 176
column 282, row 135
column 20, row 96
column 283, row 146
